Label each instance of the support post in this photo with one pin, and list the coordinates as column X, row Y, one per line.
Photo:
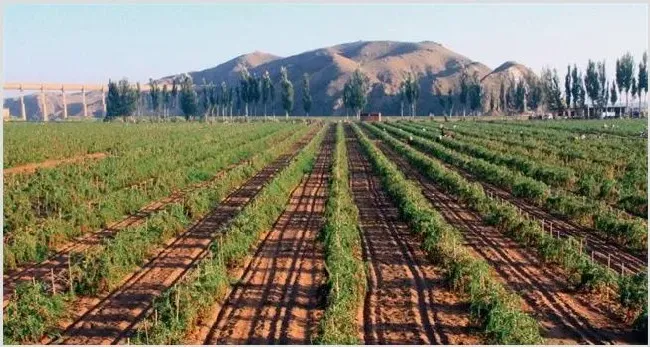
column 65, row 104
column 83, row 100
column 23, row 114
column 44, row 104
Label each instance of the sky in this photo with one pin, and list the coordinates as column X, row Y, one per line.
column 92, row 43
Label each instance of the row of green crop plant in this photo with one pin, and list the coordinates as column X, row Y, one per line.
column 579, row 269
column 627, row 232
column 590, row 179
column 556, row 175
column 605, row 166
column 37, row 241
column 498, row 309
column 588, row 146
column 56, row 192
column 621, row 158
column 567, row 150
column 623, row 127
column 34, row 143
column 104, row 266
column 342, row 240
column 176, row 312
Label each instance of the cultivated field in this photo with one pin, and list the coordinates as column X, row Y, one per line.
column 299, row 232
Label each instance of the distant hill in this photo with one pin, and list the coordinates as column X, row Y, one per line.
column 385, row 63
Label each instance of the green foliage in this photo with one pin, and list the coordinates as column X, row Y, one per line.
column 355, row 92
column 188, row 99
column 286, row 92
column 306, row 94
column 31, row 312
column 120, row 100
column 346, row 279
column 498, row 310
column 178, row 308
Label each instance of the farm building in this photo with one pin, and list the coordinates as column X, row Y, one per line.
column 371, row 117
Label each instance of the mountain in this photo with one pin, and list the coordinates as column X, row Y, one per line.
column 386, row 63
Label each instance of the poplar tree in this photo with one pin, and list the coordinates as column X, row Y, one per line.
column 286, row 92
column 188, row 98
column 306, row 94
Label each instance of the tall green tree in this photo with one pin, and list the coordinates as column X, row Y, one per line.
column 633, row 88
column 567, row 86
column 592, row 85
column 577, row 90
column 502, row 97
column 552, row 91
column 286, row 92
column 272, row 98
column 165, row 100
column 602, row 82
column 463, row 96
column 244, row 89
column 347, row 97
column 642, row 80
column 113, row 101
column 155, row 95
column 174, row 95
column 306, row 94
column 534, row 96
column 189, row 100
column 613, row 95
column 358, row 90
column 520, row 96
column 624, row 74
column 266, row 89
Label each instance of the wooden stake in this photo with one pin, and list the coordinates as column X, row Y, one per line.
column 177, row 305
column 622, row 269
column 592, row 256
column 608, row 259
column 70, row 273
column 52, row 277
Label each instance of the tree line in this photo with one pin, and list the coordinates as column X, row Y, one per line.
column 250, row 96
column 584, row 93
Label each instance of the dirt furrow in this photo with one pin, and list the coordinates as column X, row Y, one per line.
column 279, row 299
column 407, row 301
column 32, row 167
column 114, row 317
column 566, row 316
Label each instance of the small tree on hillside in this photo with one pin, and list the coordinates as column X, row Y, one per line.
column 306, row 94
column 286, row 92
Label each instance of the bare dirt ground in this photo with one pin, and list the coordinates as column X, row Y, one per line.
column 407, row 300
column 111, row 319
column 32, row 167
column 566, row 317
column 280, row 297
column 54, row 269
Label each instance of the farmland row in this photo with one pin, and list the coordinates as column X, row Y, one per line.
column 585, row 179
column 80, row 204
column 168, row 264
column 626, row 232
column 554, row 287
column 555, row 176
column 625, row 127
column 495, row 307
column 93, row 257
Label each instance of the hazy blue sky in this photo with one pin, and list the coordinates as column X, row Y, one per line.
column 92, row 43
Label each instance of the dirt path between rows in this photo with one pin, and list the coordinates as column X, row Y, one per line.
column 599, row 245
column 112, row 319
column 407, row 300
column 566, row 317
column 280, row 297
column 32, row 167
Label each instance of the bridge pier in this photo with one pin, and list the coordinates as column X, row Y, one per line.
column 83, row 96
column 65, row 105
column 45, row 119
column 23, row 114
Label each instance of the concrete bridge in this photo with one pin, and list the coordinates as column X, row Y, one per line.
column 22, row 87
